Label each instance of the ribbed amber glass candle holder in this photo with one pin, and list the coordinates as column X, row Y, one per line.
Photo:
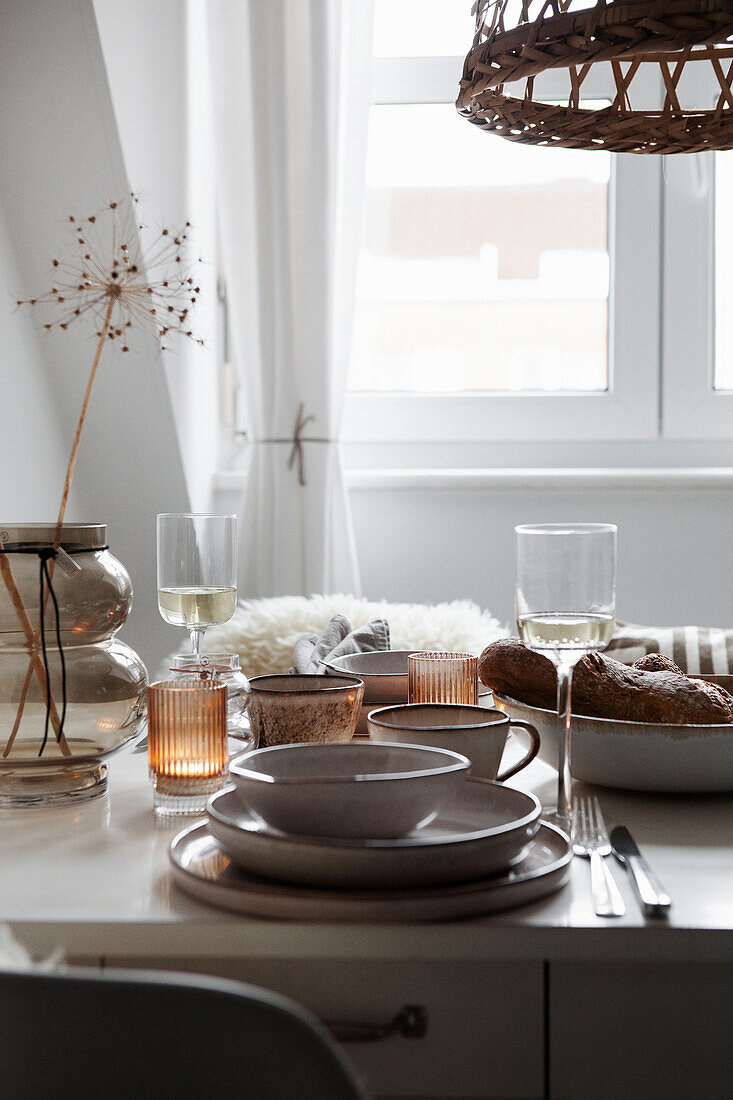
column 187, row 743
column 435, row 677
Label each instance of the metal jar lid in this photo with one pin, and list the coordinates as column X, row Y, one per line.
column 74, row 536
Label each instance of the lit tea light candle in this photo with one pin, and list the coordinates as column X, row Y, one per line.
column 435, row 677
column 187, row 743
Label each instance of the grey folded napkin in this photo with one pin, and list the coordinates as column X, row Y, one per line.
column 312, row 651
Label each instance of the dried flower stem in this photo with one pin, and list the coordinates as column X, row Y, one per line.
column 123, row 288
column 35, row 664
column 35, row 659
column 80, row 425
column 21, row 708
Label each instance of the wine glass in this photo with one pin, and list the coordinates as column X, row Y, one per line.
column 197, row 571
column 565, row 604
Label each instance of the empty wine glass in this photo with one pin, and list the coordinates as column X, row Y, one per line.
column 565, row 604
column 197, row 571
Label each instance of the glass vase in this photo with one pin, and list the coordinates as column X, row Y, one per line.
column 97, row 683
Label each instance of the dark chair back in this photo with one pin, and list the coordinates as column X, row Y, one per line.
column 84, row 1034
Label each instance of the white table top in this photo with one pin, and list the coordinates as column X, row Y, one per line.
column 94, row 879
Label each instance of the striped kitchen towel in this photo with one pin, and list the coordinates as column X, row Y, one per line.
column 697, row 650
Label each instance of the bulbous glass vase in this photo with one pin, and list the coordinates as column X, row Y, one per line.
column 44, row 762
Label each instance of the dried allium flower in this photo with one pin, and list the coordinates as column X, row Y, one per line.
column 113, row 280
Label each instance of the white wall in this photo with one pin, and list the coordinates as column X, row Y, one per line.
column 422, row 539
column 156, row 61
column 60, row 155
column 33, row 448
column 674, row 547
column 428, row 534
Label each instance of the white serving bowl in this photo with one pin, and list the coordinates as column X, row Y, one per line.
column 635, row 756
column 359, row 791
column 384, row 673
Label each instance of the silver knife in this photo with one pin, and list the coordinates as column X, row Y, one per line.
column 655, row 901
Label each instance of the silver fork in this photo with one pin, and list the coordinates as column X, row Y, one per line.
column 591, row 839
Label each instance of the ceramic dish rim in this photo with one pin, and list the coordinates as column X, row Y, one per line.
column 356, row 682
column 438, row 729
column 721, row 727
column 334, row 667
column 388, row 843
column 262, row 886
column 459, row 763
column 346, row 672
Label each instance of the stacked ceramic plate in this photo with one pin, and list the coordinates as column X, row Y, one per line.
column 367, row 832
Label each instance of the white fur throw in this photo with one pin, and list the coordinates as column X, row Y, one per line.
column 263, row 632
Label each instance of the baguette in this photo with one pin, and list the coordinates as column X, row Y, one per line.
column 604, row 688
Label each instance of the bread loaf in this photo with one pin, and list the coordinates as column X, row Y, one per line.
column 604, row 688
column 657, row 662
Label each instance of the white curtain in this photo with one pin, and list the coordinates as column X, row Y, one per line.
column 291, row 90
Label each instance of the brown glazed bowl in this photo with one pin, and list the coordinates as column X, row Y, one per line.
column 285, row 709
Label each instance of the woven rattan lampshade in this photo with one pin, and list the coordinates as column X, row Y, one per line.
column 517, row 40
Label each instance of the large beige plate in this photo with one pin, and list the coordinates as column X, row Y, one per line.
column 636, row 756
column 204, row 871
column 485, row 829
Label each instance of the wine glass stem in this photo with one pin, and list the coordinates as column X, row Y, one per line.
column 196, row 634
column 564, row 705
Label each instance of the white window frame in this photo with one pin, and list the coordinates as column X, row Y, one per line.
column 692, row 408
column 630, row 408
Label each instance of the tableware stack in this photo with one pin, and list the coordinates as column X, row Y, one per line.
column 367, row 832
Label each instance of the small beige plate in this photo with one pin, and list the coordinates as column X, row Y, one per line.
column 202, row 870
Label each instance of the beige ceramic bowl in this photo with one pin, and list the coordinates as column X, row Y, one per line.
column 349, row 791
column 285, row 709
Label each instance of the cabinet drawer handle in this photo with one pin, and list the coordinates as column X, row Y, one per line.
column 411, row 1022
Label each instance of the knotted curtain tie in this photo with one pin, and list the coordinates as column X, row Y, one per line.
column 298, row 439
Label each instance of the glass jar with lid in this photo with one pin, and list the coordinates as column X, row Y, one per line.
column 72, row 694
column 225, row 667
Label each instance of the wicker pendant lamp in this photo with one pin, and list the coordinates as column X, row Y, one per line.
column 518, row 40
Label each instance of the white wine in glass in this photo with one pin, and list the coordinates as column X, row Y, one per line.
column 565, row 603
column 197, row 566
column 553, row 632
column 195, row 606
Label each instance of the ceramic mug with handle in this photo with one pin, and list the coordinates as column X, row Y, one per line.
column 480, row 733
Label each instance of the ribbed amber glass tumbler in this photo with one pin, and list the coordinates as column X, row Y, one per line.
column 187, row 743
column 435, row 677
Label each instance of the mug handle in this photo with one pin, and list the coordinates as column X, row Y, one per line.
column 534, row 748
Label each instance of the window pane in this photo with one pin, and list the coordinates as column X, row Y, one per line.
column 723, row 377
column 422, row 28
column 484, row 264
column 439, row 28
